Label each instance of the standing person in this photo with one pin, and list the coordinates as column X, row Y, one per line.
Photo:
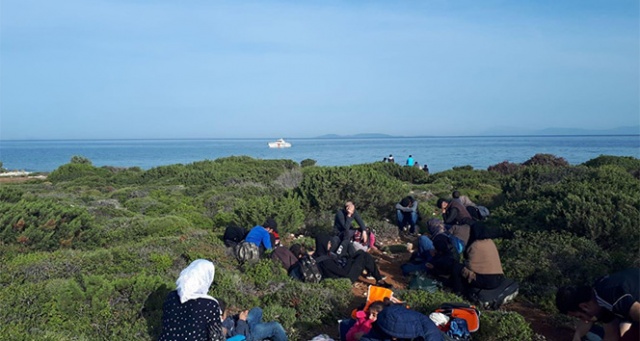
column 189, row 313
column 407, row 214
column 391, row 159
column 612, row 300
column 342, row 223
column 410, row 161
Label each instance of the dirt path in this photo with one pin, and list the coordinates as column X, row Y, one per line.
column 389, row 265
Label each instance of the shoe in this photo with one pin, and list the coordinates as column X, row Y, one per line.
column 509, row 298
column 370, row 277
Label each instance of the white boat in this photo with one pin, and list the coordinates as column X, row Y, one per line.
column 281, row 143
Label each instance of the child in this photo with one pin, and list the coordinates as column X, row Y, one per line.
column 365, row 321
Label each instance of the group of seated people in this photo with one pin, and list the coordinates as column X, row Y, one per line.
column 456, row 250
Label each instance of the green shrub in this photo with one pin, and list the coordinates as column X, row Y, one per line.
column 503, row 326
column 308, row 163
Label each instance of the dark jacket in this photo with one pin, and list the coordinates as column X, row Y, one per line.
column 284, row 256
column 456, row 214
column 342, row 223
column 402, row 323
column 329, row 268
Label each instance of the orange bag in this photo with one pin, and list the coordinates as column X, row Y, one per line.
column 464, row 311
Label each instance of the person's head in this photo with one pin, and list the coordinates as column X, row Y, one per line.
column 270, row 225
column 323, row 245
column 195, row 280
column 349, row 207
column 298, row 250
column 577, row 302
column 375, row 308
column 435, row 226
column 442, row 203
column 455, row 194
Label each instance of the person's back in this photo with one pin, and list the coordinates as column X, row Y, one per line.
column 410, row 161
column 398, row 322
column 618, row 292
column 189, row 313
column 259, row 236
column 483, row 268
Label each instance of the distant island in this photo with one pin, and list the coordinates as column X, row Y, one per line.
column 509, row 131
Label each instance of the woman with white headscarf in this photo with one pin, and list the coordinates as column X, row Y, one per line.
column 189, row 313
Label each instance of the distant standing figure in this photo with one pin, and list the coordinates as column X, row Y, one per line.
column 416, row 164
column 425, row 168
column 410, row 161
column 391, row 159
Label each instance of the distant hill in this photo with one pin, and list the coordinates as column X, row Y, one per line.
column 372, row 135
column 630, row 130
column 509, row 131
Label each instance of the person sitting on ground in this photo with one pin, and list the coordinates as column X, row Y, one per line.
column 298, row 250
column 611, row 300
column 482, row 268
column 365, row 320
column 407, row 214
column 248, row 325
column 442, row 261
column 391, row 159
column 454, row 213
column 343, row 219
column 463, row 199
column 331, row 267
column 284, row 256
column 191, row 299
column 397, row 322
column 260, row 236
column 425, row 168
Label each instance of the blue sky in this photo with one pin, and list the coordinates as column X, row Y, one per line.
column 215, row 69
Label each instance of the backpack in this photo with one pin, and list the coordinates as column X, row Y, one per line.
column 233, row 235
column 494, row 298
column 464, row 319
column 478, row 213
column 247, row 252
column 457, row 245
column 306, row 269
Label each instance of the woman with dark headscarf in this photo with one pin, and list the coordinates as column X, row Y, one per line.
column 331, row 268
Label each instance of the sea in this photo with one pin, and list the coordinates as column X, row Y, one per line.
column 439, row 153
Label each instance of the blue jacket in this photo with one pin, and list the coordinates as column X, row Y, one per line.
column 259, row 235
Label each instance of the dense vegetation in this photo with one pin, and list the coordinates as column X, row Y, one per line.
column 90, row 253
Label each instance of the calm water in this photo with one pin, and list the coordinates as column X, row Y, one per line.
column 440, row 153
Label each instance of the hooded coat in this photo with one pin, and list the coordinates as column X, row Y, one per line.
column 396, row 321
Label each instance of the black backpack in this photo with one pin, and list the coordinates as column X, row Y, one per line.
column 306, row 269
column 233, row 235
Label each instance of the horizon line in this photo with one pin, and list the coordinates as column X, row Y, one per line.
column 327, row 136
